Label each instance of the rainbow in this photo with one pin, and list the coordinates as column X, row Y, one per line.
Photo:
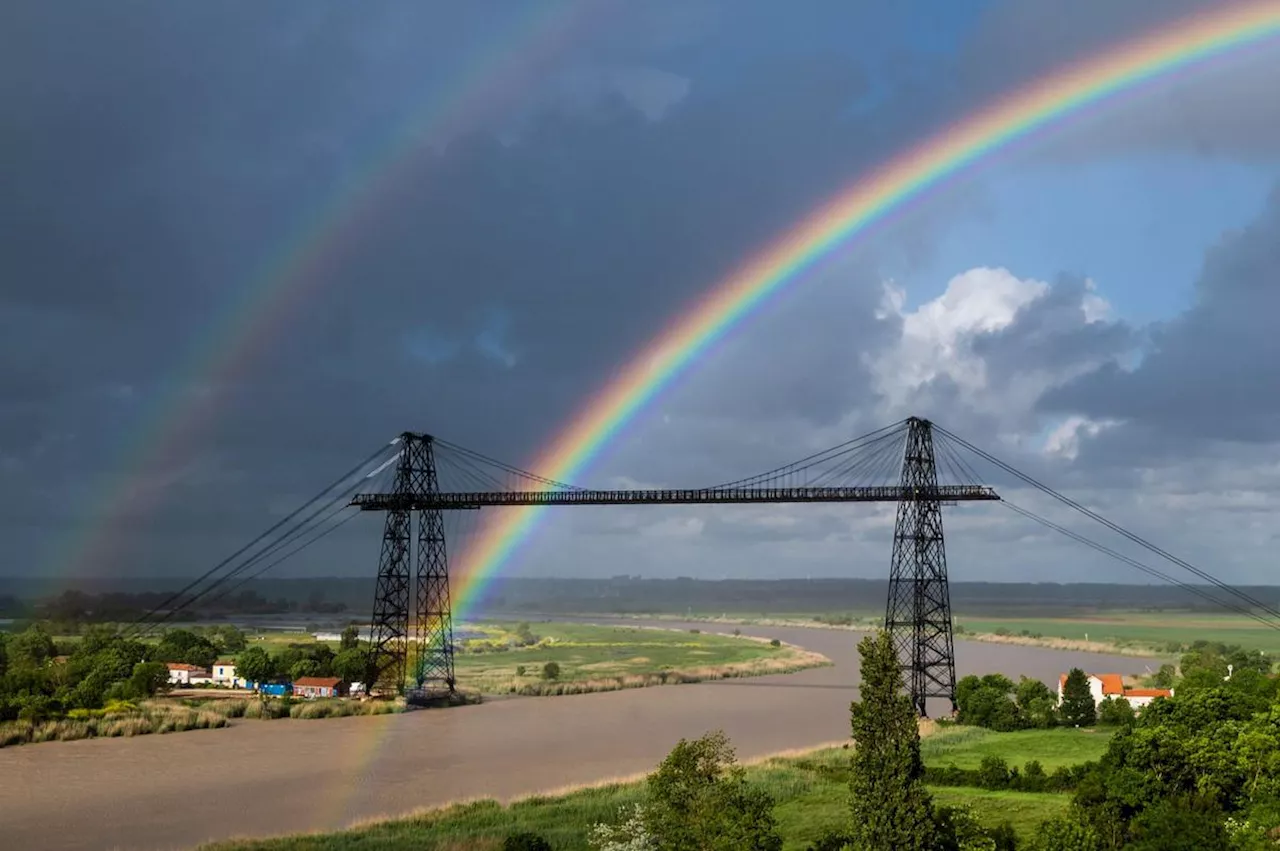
column 1182, row 45
column 173, row 421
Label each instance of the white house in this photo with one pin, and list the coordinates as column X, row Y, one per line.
column 1102, row 686
column 224, row 673
column 182, row 674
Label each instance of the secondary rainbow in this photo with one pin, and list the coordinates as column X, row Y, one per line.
column 1183, row 45
column 484, row 88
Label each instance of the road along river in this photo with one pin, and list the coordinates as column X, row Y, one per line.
column 271, row 777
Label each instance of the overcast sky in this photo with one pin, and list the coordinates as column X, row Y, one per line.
column 498, row 204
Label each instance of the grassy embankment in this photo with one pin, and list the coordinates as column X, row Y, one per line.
column 1113, row 632
column 811, row 791
column 607, row 658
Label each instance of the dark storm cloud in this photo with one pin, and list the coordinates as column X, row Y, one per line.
column 166, row 152
column 1209, row 372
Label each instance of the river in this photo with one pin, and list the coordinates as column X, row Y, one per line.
column 259, row 778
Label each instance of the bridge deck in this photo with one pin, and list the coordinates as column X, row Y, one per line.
column 705, row 496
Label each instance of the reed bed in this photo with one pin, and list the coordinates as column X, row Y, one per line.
column 88, row 724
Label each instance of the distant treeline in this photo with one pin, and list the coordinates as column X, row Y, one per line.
column 92, row 599
column 74, row 606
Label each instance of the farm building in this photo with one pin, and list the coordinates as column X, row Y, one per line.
column 1102, row 686
column 318, row 687
column 182, row 674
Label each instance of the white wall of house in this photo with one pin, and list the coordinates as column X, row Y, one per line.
column 179, row 676
column 224, row 674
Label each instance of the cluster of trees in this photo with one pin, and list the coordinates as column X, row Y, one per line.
column 1198, row 771
column 995, row 773
column 997, row 703
column 40, row 680
column 309, row 659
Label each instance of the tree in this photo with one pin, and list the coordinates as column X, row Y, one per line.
column 1078, row 708
column 148, row 678
column 1165, row 677
column 551, row 671
column 304, row 668
column 351, row 665
column 957, row 829
column 986, row 702
column 1065, row 833
column 350, row 639
column 1037, row 704
column 230, row 639
column 699, row 800
column 255, row 665
column 1179, row 825
column 1115, row 712
column 182, row 645
column 31, row 648
column 890, row 806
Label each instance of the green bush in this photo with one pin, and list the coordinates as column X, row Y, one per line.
column 551, row 671
column 773, row 642
column 525, row 841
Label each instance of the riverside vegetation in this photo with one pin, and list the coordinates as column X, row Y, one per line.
column 1200, row 770
column 101, row 683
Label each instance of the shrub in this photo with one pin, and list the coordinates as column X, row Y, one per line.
column 520, row 670
column 630, row 834
column 525, row 841
column 699, row 798
column 1115, row 712
column 551, row 671
column 773, row 642
column 994, row 773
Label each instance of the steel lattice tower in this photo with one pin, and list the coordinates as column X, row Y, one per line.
column 433, row 627
column 918, row 615
column 433, row 666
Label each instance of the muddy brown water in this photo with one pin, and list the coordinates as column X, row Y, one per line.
column 261, row 778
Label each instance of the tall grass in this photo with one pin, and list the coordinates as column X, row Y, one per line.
column 137, row 721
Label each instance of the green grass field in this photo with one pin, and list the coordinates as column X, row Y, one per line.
column 590, row 655
column 811, row 792
column 1143, row 628
column 965, row 747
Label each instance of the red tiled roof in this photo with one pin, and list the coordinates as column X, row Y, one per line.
column 182, row 666
column 1148, row 692
column 1111, row 683
column 324, row 682
column 225, row 664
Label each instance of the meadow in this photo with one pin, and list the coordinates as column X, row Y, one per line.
column 811, row 791
column 1142, row 633
column 600, row 658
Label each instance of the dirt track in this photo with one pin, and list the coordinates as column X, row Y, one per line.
column 260, row 778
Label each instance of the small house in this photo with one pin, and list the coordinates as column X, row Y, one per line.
column 224, row 673
column 1103, row 686
column 317, row 687
column 180, row 673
